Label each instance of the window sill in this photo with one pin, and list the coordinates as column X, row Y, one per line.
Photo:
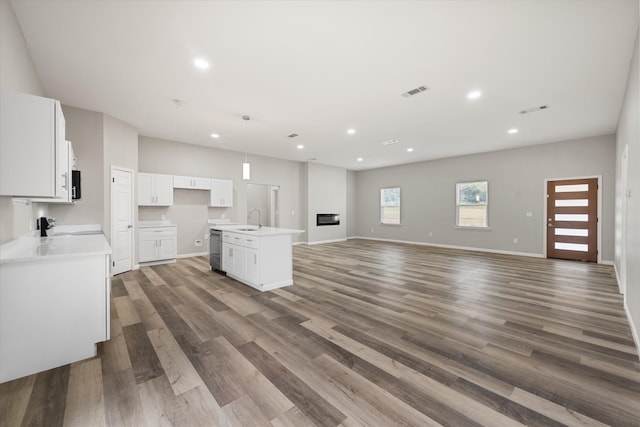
column 457, row 227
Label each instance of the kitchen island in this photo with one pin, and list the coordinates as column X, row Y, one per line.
column 260, row 257
column 54, row 301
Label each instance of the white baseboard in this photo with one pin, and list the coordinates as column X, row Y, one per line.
column 465, row 248
column 634, row 331
column 164, row 261
column 607, row 262
column 136, row 267
column 320, row 242
column 192, row 255
column 298, row 243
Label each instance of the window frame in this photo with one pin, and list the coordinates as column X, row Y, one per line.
column 486, row 204
column 381, row 207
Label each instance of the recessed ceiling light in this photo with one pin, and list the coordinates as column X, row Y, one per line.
column 409, row 150
column 359, row 159
column 512, row 131
column 351, row 131
column 299, row 146
column 475, row 94
column 201, row 63
column 215, row 135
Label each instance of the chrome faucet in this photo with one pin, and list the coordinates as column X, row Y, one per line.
column 259, row 216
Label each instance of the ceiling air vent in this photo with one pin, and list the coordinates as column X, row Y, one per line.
column 293, row 135
column 534, row 109
column 415, row 91
column 390, row 141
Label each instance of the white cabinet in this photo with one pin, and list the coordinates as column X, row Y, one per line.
column 67, row 165
column 155, row 189
column 191, row 182
column 221, row 193
column 158, row 243
column 33, row 159
column 52, row 312
column 263, row 262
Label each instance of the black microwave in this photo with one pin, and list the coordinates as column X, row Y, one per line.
column 76, row 192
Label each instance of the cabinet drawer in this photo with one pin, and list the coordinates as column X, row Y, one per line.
column 158, row 234
column 250, row 242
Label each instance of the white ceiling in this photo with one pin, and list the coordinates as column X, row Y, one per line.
column 317, row 68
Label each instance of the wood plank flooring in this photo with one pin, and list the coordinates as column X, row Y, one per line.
column 370, row 334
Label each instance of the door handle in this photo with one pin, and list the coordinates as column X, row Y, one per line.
column 129, row 226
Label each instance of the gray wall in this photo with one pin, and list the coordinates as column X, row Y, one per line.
column 120, row 149
column 327, row 193
column 190, row 211
column 85, row 130
column 352, row 204
column 17, row 74
column 516, row 186
column 627, row 257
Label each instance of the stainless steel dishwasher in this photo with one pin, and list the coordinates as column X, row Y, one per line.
column 215, row 250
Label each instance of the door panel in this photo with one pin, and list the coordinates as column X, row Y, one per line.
column 121, row 220
column 572, row 219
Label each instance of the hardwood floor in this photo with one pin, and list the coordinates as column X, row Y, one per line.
column 371, row 333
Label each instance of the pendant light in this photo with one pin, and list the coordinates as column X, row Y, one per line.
column 246, row 166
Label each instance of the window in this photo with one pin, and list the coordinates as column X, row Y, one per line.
column 471, row 204
column 390, row 205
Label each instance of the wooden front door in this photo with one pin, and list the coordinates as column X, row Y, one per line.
column 572, row 219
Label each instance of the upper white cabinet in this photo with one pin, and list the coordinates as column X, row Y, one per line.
column 68, row 164
column 221, row 193
column 191, row 182
column 155, row 189
column 33, row 149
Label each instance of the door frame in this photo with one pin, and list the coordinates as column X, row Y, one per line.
column 599, row 207
column 132, row 241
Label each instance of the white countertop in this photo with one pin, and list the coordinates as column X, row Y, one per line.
column 158, row 223
column 35, row 248
column 255, row 231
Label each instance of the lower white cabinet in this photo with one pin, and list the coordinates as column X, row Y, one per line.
column 52, row 312
column 158, row 243
column 263, row 262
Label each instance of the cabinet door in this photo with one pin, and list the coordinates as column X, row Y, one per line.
column 251, row 262
column 164, row 190
column 227, row 258
column 63, row 168
column 27, row 145
column 221, row 193
column 183, row 182
column 202, row 183
column 148, row 247
column 239, row 262
column 146, row 197
column 167, row 248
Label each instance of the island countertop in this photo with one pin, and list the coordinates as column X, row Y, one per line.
column 252, row 230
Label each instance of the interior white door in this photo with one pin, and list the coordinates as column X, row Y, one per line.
column 121, row 220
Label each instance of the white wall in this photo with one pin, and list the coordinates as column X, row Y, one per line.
column 327, row 193
column 190, row 211
column 516, row 186
column 17, row 74
column 627, row 256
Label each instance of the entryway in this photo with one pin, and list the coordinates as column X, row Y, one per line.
column 572, row 219
column 121, row 219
